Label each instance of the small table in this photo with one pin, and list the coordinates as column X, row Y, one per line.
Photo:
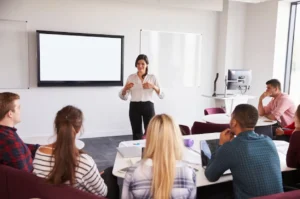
column 193, row 154
column 263, row 126
column 44, row 141
column 223, row 118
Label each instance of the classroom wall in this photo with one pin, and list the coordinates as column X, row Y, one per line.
column 259, row 47
column 231, row 39
column 105, row 114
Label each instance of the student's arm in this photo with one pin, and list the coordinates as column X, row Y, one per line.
column 276, row 113
column 220, row 162
column 126, row 193
column 15, row 156
column 289, row 129
column 94, row 183
column 293, row 151
column 261, row 109
column 193, row 192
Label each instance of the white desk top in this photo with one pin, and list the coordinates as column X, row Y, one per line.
column 194, row 155
column 231, row 97
column 223, row 118
column 44, row 141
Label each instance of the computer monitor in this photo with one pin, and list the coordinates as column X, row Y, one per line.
column 239, row 79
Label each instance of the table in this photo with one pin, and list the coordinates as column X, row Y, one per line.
column 192, row 157
column 231, row 101
column 224, row 118
column 44, row 141
column 263, row 126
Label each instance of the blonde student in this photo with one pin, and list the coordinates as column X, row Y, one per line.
column 161, row 173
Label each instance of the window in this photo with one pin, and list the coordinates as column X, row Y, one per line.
column 292, row 73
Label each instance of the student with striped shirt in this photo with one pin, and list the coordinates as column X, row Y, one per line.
column 161, row 173
column 62, row 163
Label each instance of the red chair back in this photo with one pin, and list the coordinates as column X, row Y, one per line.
column 17, row 184
column 201, row 128
column 209, row 111
column 185, row 130
column 286, row 195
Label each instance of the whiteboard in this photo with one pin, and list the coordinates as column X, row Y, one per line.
column 13, row 54
column 175, row 58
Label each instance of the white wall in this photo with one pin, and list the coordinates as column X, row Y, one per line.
column 259, row 47
column 105, row 113
column 231, row 39
column 282, row 29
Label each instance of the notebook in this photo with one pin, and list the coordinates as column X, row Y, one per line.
column 130, row 152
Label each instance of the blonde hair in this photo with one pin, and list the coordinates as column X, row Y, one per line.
column 164, row 145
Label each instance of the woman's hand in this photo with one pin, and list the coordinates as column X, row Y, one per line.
column 148, row 85
column 128, row 86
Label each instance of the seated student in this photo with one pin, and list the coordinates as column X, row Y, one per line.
column 293, row 154
column 280, row 108
column 13, row 151
column 161, row 173
column 285, row 132
column 61, row 162
column 252, row 158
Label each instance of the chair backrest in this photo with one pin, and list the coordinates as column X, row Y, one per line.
column 15, row 183
column 209, row 111
column 201, row 128
column 286, row 195
column 185, row 130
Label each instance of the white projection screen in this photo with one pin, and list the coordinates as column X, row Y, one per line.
column 78, row 59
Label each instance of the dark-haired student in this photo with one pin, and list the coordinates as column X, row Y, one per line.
column 280, row 108
column 62, row 163
column 13, row 151
column 252, row 158
column 140, row 86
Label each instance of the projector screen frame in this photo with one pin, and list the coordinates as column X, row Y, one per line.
column 43, row 83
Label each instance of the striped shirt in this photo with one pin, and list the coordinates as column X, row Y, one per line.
column 87, row 176
column 138, row 179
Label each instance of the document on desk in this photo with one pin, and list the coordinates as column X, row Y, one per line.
column 281, row 146
column 191, row 156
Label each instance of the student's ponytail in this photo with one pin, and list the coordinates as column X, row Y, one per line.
column 67, row 124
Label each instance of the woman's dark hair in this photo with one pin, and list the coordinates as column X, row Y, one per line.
column 67, row 124
column 145, row 58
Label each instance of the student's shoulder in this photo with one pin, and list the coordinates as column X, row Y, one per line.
column 86, row 160
column 286, row 97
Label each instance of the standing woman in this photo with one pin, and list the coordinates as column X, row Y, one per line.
column 141, row 86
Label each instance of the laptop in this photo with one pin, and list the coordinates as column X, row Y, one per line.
column 207, row 148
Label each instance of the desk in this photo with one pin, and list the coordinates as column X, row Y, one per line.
column 223, row 118
column 231, row 101
column 263, row 126
column 44, row 141
column 194, row 154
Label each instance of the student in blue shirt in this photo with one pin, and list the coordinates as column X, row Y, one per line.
column 252, row 158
